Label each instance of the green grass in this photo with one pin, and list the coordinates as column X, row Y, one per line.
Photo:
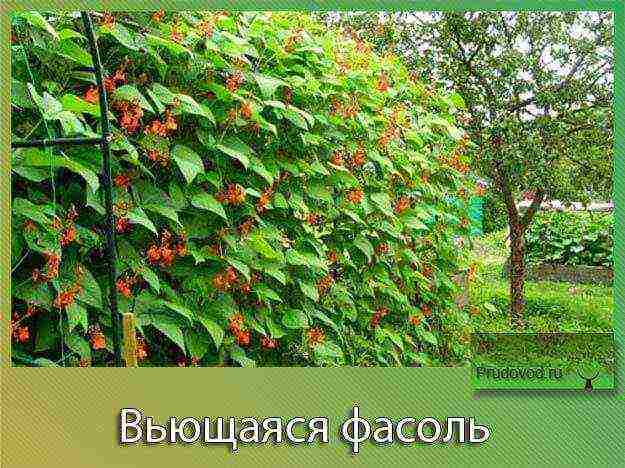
column 550, row 306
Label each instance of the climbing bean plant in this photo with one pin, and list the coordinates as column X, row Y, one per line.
column 282, row 195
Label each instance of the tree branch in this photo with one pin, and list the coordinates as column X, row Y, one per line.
column 532, row 209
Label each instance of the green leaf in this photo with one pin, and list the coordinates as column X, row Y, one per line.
column 260, row 245
column 170, row 329
column 180, row 309
column 275, row 330
column 151, row 278
column 78, row 345
column 235, row 148
column 77, row 315
column 240, row 266
column 383, row 201
column 172, row 46
column 165, row 211
column 122, row 35
column 197, row 343
column 268, row 85
column 365, row 246
column 188, row 161
column 264, row 293
column 215, row 331
column 35, row 19
column 206, row 201
column 23, row 207
column 132, row 94
column 138, row 216
column 294, row 318
column 35, row 157
column 309, row 290
column 238, row 355
column 72, row 51
column 190, row 106
column 91, row 293
column 75, row 104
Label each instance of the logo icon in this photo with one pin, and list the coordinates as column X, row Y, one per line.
column 584, row 374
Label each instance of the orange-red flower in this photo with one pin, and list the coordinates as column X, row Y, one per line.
column 158, row 16
column 337, row 158
column 415, row 319
column 402, row 204
column 92, row 95
column 382, row 85
column 122, row 225
column 355, row 196
column 68, row 236
column 316, row 336
column 234, row 81
column 122, row 181
column 246, row 110
column 268, row 343
column 377, row 316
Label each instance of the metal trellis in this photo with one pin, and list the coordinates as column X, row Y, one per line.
column 104, row 142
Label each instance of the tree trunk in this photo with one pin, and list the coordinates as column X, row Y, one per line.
column 517, row 275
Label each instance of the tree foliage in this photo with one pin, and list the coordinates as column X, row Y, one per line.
column 281, row 195
column 538, row 90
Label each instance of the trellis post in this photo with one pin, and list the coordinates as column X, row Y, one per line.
column 111, row 254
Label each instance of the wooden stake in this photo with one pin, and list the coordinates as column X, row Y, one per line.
column 130, row 340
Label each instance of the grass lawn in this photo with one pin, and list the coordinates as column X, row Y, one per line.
column 550, row 306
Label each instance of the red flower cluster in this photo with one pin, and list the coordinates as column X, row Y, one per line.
column 377, row 316
column 234, row 82
column 246, row 110
column 66, row 298
column 355, row 196
column 169, row 248
column 359, row 158
column 158, row 16
column 324, row 284
column 415, row 319
column 313, row 219
column 233, row 195
column 401, row 205
column 337, row 158
column 426, row 310
column 235, row 326
column 382, row 85
column 142, row 349
column 332, row 256
column 389, row 135
column 224, row 281
column 122, row 181
column 316, row 336
column 131, row 113
column 382, row 248
column 124, row 284
column 123, row 225
column 162, row 128
column 160, row 157
column 51, row 270
column 96, row 337
column 21, row 334
column 293, row 39
column 92, row 95
column 268, row 343
column 176, row 36
column 111, row 82
column 206, row 28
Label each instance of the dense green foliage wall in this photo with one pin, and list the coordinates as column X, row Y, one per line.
column 279, row 195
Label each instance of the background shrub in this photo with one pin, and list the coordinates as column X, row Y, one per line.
column 279, row 195
column 571, row 238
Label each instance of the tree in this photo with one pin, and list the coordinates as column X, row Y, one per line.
column 538, row 91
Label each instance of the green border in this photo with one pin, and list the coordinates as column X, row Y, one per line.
column 67, row 417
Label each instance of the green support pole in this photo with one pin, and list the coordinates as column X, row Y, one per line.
column 111, row 250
